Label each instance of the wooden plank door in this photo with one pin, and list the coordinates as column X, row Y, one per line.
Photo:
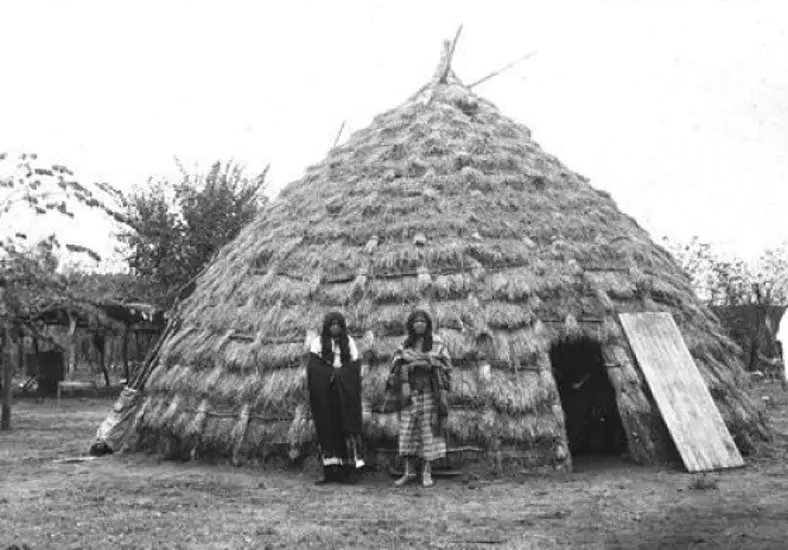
column 694, row 422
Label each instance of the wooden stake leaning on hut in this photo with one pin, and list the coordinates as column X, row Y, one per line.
column 173, row 325
column 153, row 354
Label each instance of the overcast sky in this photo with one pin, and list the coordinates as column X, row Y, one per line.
column 678, row 109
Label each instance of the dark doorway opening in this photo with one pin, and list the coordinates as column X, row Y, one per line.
column 593, row 423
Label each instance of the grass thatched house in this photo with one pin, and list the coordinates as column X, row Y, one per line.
column 446, row 203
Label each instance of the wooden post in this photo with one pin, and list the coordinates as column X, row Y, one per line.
column 125, row 352
column 137, row 347
column 502, row 69
column 71, row 362
column 21, row 356
column 445, row 63
column 110, row 351
column 99, row 341
column 8, row 369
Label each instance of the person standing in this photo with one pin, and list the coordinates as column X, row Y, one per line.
column 420, row 379
column 334, row 382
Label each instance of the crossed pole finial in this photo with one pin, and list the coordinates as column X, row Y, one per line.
column 445, row 63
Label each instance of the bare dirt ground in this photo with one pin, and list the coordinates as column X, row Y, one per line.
column 135, row 501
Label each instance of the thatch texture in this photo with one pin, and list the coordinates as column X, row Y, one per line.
column 445, row 203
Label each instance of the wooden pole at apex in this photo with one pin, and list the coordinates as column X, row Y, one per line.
column 502, row 69
column 339, row 134
column 445, row 63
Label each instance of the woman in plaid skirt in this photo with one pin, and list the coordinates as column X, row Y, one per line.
column 420, row 380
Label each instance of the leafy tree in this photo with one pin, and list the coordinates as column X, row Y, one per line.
column 725, row 281
column 178, row 228
column 119, row 287
column 31, row 282
column 770, row 278
column 156, row 241
column 697, row 260
column 730, row 281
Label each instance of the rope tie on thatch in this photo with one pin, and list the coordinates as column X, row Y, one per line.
column 239, row 432
column 197, row 423
column 450, row 450
column 613, row 269
column 579, row 320
column 256, row 417
column 244, row 417
column 383, row 275
column 249, row 337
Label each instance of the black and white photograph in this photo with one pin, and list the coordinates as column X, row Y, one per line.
column 414, row 274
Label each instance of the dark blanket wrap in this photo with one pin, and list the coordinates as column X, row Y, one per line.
column 335, row 398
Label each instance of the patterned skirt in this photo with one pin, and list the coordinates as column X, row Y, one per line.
column 415, row 429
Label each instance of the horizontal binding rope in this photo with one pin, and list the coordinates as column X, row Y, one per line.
column 579, row 320
column 451, row 407
column 251, row 417
column 250, row 337
column 346, row 278
column 237, row 415
column 307, row 417
column 449, row 450
column 605, row 268
column 490, row 268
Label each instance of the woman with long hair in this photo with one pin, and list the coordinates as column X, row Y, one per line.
column 420, row 380
column 334, row 381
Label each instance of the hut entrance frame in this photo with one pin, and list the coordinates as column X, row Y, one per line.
column 588, row 399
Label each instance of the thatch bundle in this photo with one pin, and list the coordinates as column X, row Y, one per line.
column 445, row 203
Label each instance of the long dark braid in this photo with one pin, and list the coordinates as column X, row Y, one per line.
column 326, row 350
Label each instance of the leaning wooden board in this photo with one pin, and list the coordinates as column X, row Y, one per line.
column 694, row 422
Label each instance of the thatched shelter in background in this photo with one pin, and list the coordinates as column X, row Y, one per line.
column 56, row 339
column 445, row 203
column 754, row 328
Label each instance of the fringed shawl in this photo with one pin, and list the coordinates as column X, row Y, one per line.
column 438, row 362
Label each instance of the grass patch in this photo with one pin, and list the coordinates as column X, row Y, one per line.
column 140, row 501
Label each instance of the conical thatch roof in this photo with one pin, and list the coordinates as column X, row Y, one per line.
column 445, row 202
